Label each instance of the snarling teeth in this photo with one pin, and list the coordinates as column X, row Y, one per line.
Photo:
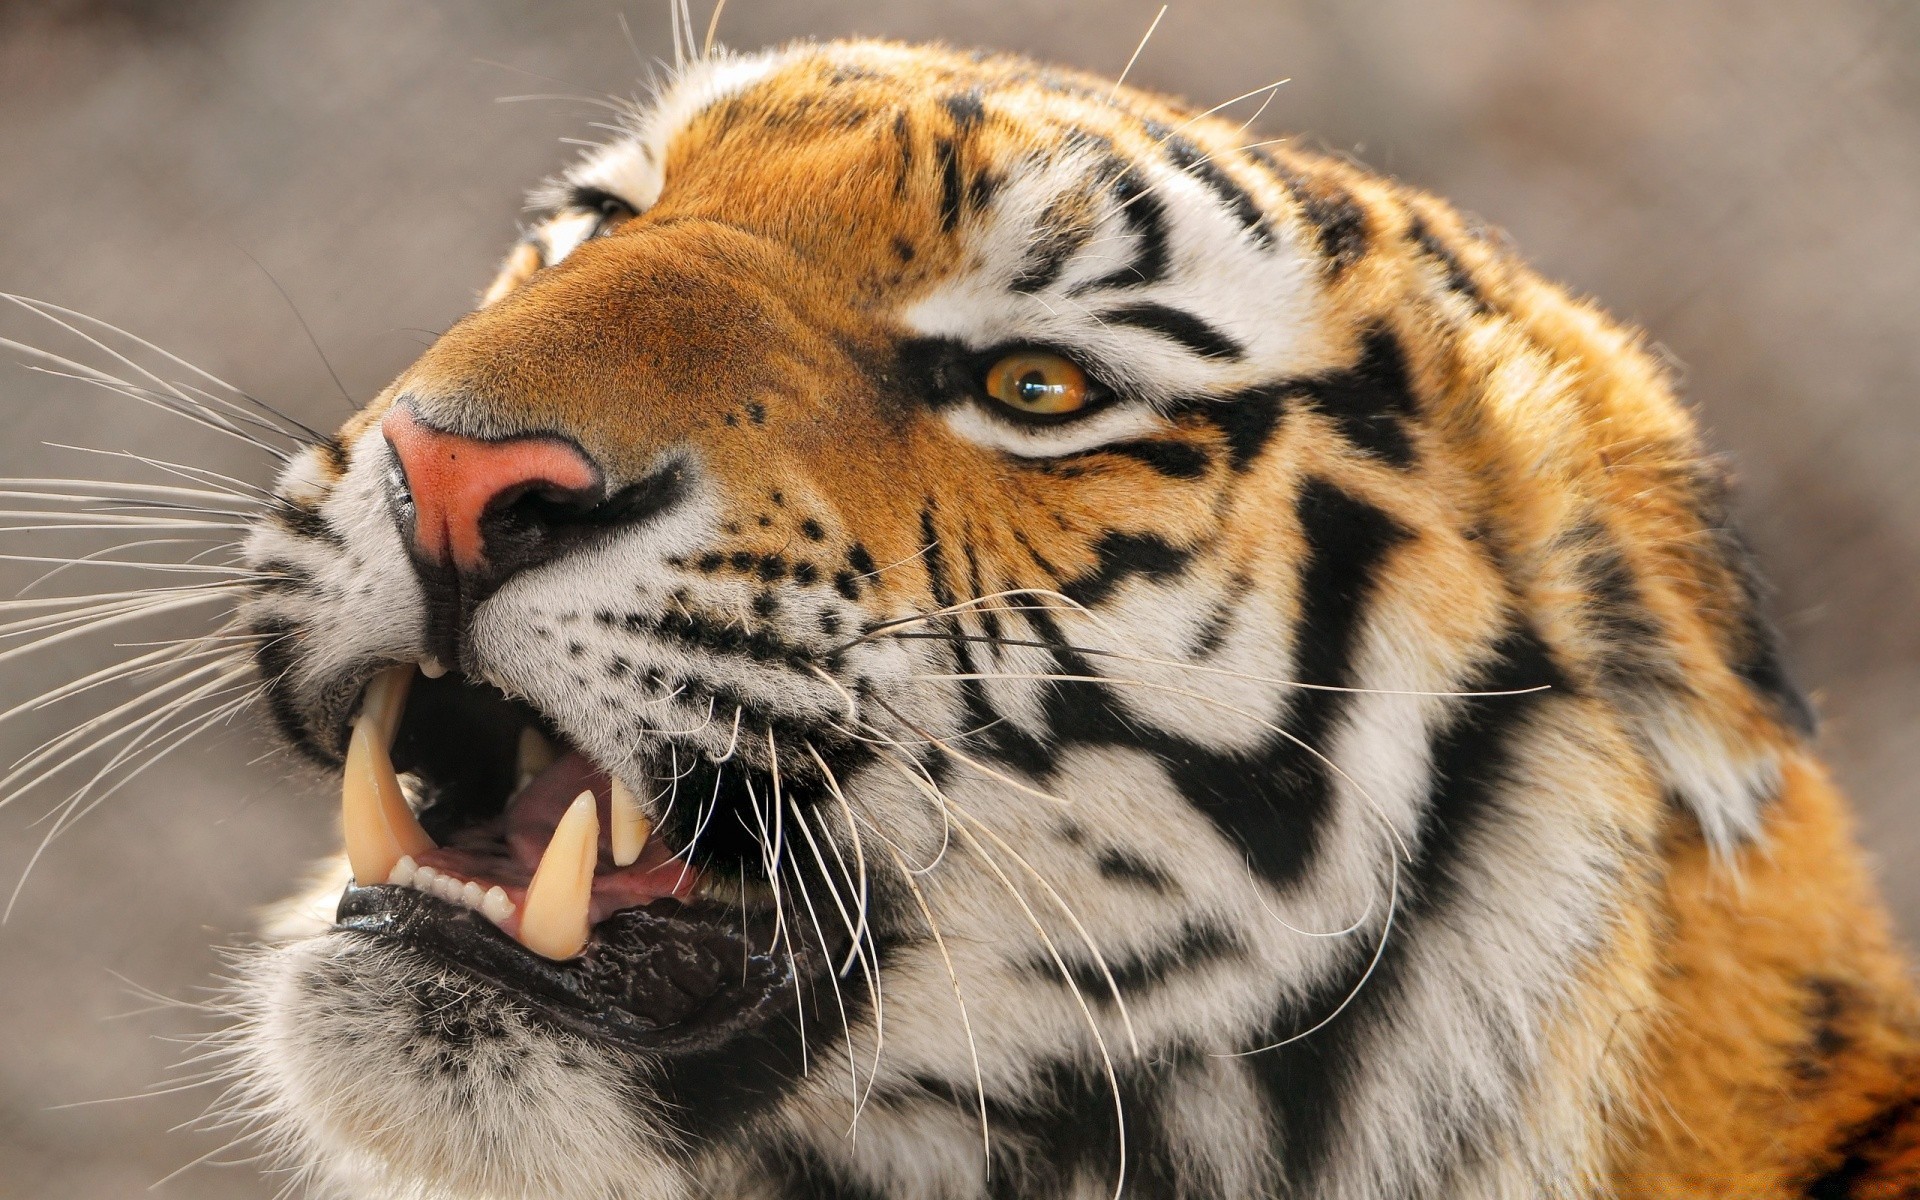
column 491, row 902
column 380, row 828
column 554, row 921
column 630, row 825
column 572, row 846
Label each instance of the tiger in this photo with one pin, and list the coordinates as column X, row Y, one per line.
column 952, row 628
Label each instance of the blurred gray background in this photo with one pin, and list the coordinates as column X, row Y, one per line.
column 1742, row 179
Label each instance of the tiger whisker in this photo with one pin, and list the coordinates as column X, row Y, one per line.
column 771, row 847
column 859, row 854
column 1135, row 57
column 1059, row 961
column 967, row 759
column 53, row 747
column 833, row 977
column 136, row 730
column 1386, row 931
column 833, row 981
column 865, row 949
column 959, row 999
column 924, row 783
column 161, row 657
column 188, row 727
column 289, row 426
column 239, row 488
column 114, row 491
column 191, row 412
column 79, row 623
column 62, row 563
column 73, row 809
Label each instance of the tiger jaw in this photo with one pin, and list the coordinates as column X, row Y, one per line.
column 547, row 881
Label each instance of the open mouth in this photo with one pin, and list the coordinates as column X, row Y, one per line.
column 480, row 837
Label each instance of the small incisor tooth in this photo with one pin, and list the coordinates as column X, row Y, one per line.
column 630, row 825
column 553, row 917
column 380, row 828
column 495, row 906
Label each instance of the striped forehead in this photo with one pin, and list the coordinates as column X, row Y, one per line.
column 1142, row 242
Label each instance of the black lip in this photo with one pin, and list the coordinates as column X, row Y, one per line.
column 669, row 978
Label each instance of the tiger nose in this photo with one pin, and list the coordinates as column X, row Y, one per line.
column 458, row 487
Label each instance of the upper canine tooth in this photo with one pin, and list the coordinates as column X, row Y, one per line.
column 553, row 917
column 386, row 701
column 630, row 825
column 380, row 828
column 535, row 755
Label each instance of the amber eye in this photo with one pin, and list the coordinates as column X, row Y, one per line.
column 1038, row 384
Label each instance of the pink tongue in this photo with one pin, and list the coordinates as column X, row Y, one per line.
column 537, row 809
column 530, row 820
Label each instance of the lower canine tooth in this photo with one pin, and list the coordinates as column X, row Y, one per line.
column 553, row 917
column 630, row 825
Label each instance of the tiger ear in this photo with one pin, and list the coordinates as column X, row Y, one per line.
column 1728, row 713
column 522, row 261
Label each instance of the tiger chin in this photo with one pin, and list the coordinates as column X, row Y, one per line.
column 950, row 629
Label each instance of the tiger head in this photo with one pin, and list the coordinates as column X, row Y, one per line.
column 949, row 628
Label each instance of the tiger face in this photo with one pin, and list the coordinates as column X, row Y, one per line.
column 952, row 629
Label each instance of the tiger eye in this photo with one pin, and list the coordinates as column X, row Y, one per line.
column 1038, row 384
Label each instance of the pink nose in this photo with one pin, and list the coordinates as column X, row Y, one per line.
column 457, row 481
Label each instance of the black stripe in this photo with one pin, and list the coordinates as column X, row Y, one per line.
column 1635, row 650
column 1146, row 218
column 1246, row 419
column 1056, row 240
column 1308, row 1083
column 1177, row 325
column 1001, row 738
column 276, row 657
column 1174, row 459
column 1119, row 557
column 1337, row 220
column 1061, row 1138
column 1457, row 277
column 1866, row 1147
column 903, row 133
column 1272, row 801
column 988, row 618
column 1370, row 401
column 1754, row 650
column 795, row 1171
column 966, row 108
column 334, row 451
column 1191, row 161
column 1124, row 866
column 950, row 188
column 1194, row 946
